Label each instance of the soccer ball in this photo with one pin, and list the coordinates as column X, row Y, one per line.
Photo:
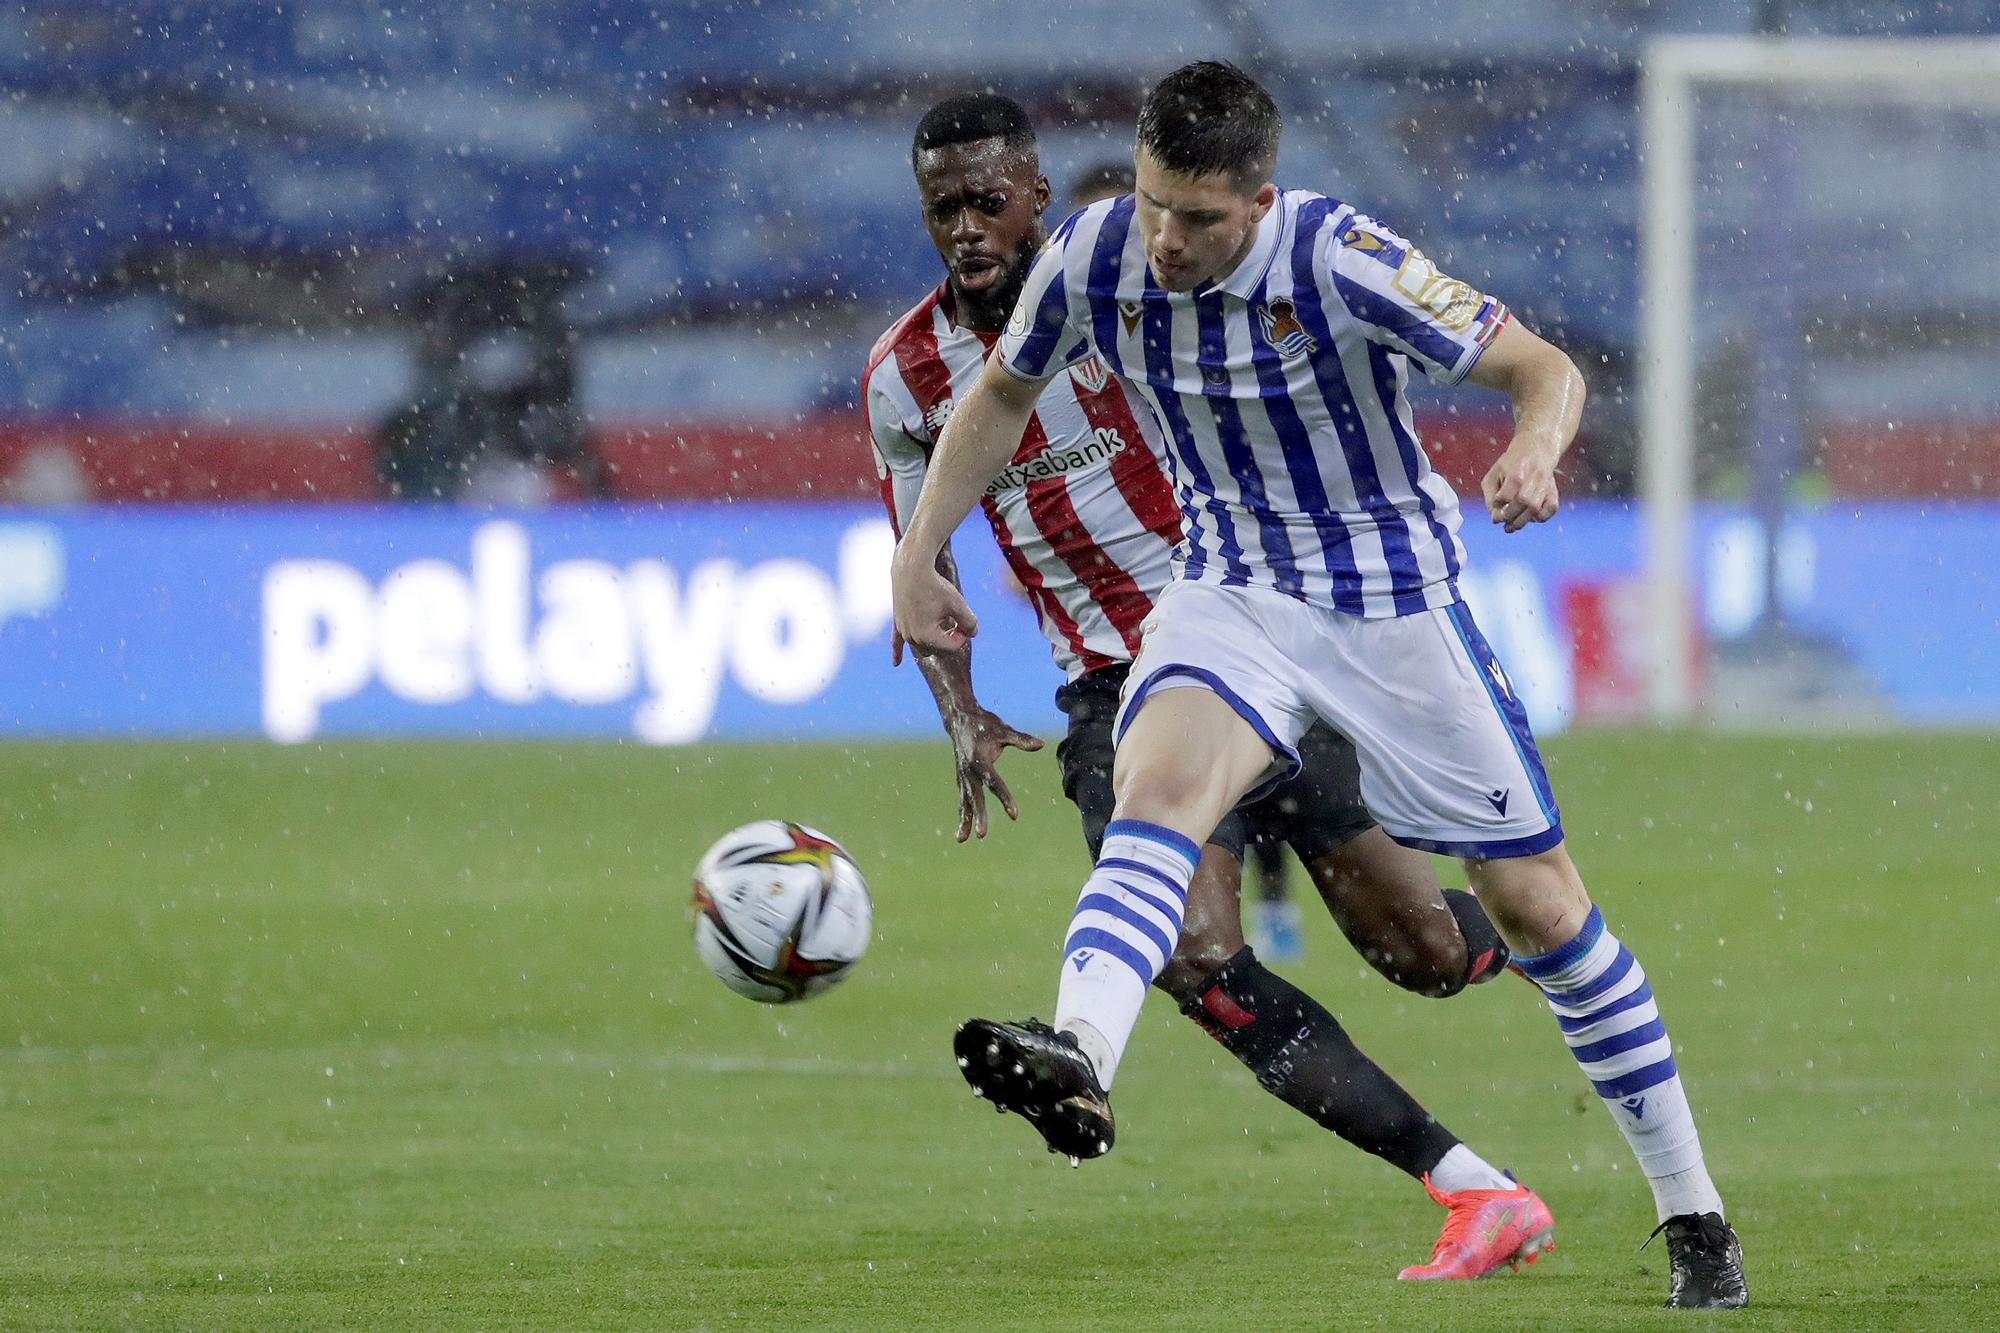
column 781, row 912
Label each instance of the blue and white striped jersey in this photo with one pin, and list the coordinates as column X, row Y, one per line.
column 1281, row 394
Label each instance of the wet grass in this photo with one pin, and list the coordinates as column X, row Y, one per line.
column 412, row 1036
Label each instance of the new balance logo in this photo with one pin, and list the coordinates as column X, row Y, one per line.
column 1636, row 1105
column 1079, row 958
column 936, row 415
column 1497, row 798
column 1283, row 331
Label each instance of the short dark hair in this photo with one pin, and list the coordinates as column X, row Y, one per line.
column 972, row 118
column 1211, row 117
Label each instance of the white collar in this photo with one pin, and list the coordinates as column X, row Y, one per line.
column 1248, row 276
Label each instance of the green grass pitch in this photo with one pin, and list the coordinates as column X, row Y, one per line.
column 412, row 1036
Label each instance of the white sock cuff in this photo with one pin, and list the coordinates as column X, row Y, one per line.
column 1463, row 1169
column 1154, row 846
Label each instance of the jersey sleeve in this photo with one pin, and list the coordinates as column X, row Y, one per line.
column 1403, row 302
column 901, row 444
column 1049, row 332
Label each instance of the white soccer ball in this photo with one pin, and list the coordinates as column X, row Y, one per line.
column 781, row 912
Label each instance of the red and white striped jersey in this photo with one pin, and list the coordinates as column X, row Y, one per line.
column 1084, row 514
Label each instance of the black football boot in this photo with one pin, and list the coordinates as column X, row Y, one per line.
column 1707, row 1263
column 1042, row 1076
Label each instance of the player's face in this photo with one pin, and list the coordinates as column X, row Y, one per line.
column 1197, row 228
column 983, row 205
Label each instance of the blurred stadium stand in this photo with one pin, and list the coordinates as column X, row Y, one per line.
column 229, row 224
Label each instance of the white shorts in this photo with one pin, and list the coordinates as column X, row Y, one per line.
column 1447, row 761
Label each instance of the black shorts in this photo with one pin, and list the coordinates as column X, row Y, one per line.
column 1315, row 812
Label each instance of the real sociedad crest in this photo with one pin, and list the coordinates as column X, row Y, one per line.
column 1092, row 375
column 1282, row 329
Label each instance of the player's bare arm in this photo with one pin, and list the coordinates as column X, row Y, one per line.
column 977, row 734
column 1547, row 392
column 984, row 431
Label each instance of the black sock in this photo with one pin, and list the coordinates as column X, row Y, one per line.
column 1302, row 1056
column 1486, row 954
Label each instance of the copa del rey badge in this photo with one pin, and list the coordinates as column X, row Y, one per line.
column 1017, row 323
column 1092, row 375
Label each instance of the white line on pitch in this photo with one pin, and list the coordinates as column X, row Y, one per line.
column 740, row 1064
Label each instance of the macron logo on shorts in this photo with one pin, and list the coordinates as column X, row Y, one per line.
column 1497, row 798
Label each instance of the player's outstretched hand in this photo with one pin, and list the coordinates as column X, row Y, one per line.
column 976, row 743
column 1520, row 489
column 930, row 611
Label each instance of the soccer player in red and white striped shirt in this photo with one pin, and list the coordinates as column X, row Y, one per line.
column 1088, row 523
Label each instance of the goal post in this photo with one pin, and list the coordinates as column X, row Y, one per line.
column 1676, row 71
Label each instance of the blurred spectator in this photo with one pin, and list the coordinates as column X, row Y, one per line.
column 1275, row 922
column 493, row 418
column 47, row 474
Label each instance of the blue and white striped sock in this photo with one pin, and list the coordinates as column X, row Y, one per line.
column 1605, row 1007
column 1127, row 921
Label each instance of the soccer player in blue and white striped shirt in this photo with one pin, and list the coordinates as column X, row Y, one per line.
column 1273, row 333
